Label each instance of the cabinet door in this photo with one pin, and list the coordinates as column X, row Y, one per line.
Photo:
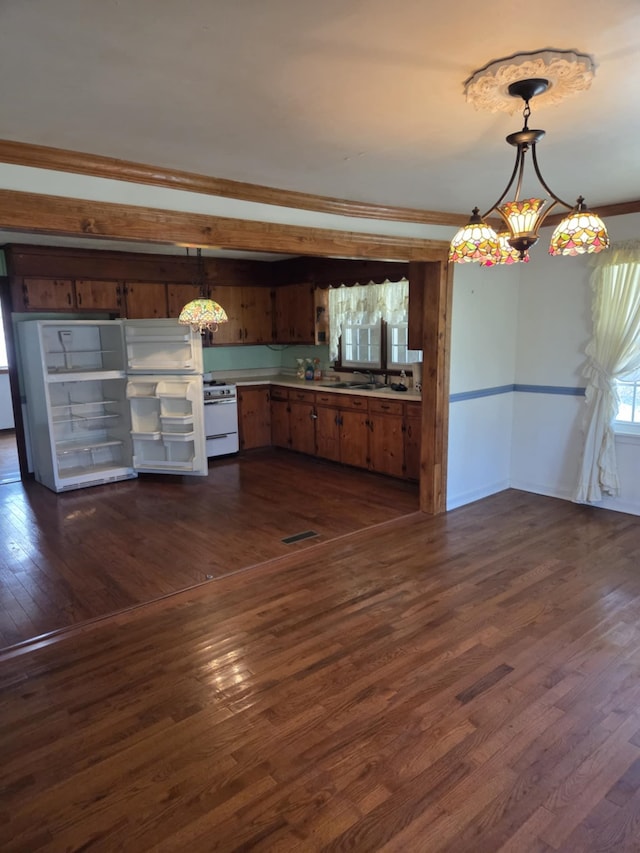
column 280, row 434
column 412, row 441
column 328, row 433
column 295, row 314
column 145, row 300
column 386, row 443
column 98, row 295
column 254, row 417
column 302, row 424
column 257, row 311
column 354, row 438
column 229, row 298
column 178, row 295
column 47, row 294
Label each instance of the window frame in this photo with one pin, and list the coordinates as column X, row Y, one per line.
column 387, row 367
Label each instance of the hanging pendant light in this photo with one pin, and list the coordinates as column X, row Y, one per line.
column 581, row 230
column 202, row 314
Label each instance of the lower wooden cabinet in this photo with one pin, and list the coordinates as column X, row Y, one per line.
column 280, row 431
column 302, row 418
column 382, row 435
column 386, row 437
column 254, row 417
column 412, row 440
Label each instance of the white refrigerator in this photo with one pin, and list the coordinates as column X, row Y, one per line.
column 108, row 399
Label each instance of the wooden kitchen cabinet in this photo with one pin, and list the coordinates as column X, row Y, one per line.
column 386, row 437
column 98, row 295
column 178, row 295
column 342, row 432
column 46, row 294
column 257, row 309
column 254, row 416
column 250, row 313
column 145, row 300
column 294, row 314
column 302, row 421
column 327, row 427
column 354, row 437
column 412, row 440
column 280, row 431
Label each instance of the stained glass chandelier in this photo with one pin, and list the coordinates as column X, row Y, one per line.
column 202, row 314
column 581, row 230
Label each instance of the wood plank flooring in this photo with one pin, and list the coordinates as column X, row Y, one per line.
column 84, row 554
column 9, row 465
column 465, row 683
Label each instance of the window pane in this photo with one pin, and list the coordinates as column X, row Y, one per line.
column 398, row 353
column 629, row 402
column 361, row 345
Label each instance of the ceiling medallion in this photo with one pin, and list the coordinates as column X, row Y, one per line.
column 566, row 71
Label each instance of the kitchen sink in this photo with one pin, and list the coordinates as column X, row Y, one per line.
column 356, row 386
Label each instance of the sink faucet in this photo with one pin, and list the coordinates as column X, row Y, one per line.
column 371, row 379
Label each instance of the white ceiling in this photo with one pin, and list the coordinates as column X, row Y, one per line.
column 357, row 99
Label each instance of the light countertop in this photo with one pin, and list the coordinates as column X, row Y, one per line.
column 289, row 381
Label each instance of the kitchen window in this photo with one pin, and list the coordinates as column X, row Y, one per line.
column 368, row 326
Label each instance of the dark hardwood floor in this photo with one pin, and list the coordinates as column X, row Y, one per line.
column 466, row 683
column 9, row 465
column 88, row 553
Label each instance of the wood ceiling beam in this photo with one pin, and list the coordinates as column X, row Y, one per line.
column 79, row 163
column 45, row 214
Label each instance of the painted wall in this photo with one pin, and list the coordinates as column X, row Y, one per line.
column 6, row 410
column 483, row 355
column 272, row 357
column 554, row 326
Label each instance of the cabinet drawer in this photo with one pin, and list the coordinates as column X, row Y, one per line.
column 327, row 398
column 385, row 407
column 413, row 410
column 279, row 393
column 346, row 401
column 302, row 396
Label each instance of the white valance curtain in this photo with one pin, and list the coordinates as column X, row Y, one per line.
column 365, row 304
column 613, row 353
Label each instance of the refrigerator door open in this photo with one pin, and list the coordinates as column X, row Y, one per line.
column 161, row 346
column 167, row 424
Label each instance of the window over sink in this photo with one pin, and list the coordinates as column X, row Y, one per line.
column 369, row 326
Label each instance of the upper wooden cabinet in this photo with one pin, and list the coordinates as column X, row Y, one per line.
column 46, row 294
column 98, row 295
column 294, row 314
column 178, row 295
column 145, row 300
column 250, row 313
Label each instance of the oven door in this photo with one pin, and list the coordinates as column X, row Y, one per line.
column 221, row 426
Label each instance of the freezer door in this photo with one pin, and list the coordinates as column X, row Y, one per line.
column 161, row 346
column 167, row 424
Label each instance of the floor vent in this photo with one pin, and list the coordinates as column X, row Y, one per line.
column 308, row 534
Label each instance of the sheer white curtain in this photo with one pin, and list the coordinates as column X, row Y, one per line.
column 613, row 353
column 364, row 304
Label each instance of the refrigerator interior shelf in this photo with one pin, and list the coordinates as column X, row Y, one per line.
column 176, row 419
column 88, row 405
column 65, row 447
column 169, row 366
column 84, row 375
column 146, row 436
column 77, row 418
column 178, row 436
column 91, row 351
column 137, row 336
column 87, row 472
column 140, row 465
